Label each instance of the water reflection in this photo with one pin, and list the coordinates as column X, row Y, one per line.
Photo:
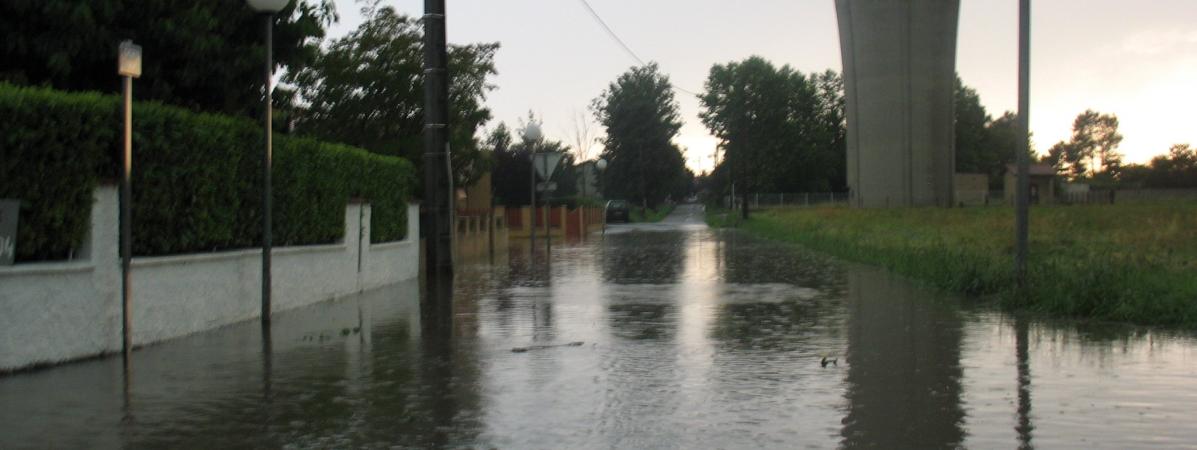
column 903, row 384
column 1021, row 348
column 694, row 338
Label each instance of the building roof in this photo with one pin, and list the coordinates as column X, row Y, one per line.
column 1035, row 169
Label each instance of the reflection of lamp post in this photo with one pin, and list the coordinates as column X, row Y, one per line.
column 268, row 8
column 532, row 136
column 128, row 67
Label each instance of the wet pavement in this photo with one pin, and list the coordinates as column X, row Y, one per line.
column 690, row 338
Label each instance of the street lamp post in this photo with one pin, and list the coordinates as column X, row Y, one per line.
column 532, row 136
column 601, row 165
column 268, row 8
column 128, row 67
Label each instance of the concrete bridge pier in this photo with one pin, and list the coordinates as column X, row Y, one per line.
column 899, row 75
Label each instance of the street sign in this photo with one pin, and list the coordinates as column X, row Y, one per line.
column 545, row 163
column 546, row 185
column 8, row 230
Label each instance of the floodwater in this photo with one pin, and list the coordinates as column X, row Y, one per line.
column 690, row 338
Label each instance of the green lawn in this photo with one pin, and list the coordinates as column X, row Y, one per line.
column 649, row 215
column 1131, row 262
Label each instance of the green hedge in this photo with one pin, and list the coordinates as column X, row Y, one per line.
column 196, row 177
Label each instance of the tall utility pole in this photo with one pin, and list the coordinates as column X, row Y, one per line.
column 437, row 174
column 1023, row 194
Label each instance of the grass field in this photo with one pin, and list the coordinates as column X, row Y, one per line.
column 650, row 215
column 1132, row 262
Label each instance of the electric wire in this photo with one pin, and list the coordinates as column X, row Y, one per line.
column 622, row 44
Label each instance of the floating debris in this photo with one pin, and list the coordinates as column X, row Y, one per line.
column 542, row 347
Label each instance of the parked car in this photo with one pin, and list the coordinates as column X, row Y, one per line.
column 617, row 211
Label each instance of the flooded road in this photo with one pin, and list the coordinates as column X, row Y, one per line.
column 691, row 338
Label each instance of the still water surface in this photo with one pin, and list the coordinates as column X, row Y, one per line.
column 692, row 338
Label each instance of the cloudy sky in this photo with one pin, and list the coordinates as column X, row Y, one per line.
column 1134, row 59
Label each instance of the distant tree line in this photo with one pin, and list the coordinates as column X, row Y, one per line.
column 1091, row 155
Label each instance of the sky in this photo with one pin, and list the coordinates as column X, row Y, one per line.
column 1135, row 59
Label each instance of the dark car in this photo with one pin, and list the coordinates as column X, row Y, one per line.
column 617, row 211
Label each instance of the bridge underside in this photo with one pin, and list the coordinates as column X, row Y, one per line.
column 899, row 75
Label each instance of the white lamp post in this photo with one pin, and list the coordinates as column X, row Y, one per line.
column 532, row 135
column 601, row 165
column 128, row 67
column 268, row 8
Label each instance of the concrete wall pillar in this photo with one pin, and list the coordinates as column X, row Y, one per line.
column 899, row 61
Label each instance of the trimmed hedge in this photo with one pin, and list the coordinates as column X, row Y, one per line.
column 196, row 177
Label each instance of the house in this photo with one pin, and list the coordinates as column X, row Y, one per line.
column 1043, row 183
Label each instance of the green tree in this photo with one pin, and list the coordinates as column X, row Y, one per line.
column 1092, row 152
column 974, row 152
column 1002, row 136
column 511, row 178
column 778, row 129
column 366, row 89
column 1063, row 156
column 1096, row 139
column 833, row 140
column 984, row 144
column 205, row 55
column 640, row 115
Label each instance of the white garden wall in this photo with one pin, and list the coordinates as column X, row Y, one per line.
column 54, row 312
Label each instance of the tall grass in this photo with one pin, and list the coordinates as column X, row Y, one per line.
column 1133, row 262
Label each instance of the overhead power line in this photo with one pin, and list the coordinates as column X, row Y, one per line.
column 621, row 43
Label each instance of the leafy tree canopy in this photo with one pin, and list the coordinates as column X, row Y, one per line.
column 367, row 89
column 780, row 130
column 512, row 175
column 205, row 55
column 1093, row 149
column 640, row 115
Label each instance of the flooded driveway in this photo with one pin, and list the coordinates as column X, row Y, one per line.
column 690, row 338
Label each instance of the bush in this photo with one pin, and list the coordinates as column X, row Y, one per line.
column 196, row 177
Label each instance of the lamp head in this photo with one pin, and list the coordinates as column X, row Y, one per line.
column 532, row 132
column 601, row 164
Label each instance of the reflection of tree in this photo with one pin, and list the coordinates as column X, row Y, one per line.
column 395, row 383
column 783, row 326
column 644, row 257
column 745, row 259
column 904, row 366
